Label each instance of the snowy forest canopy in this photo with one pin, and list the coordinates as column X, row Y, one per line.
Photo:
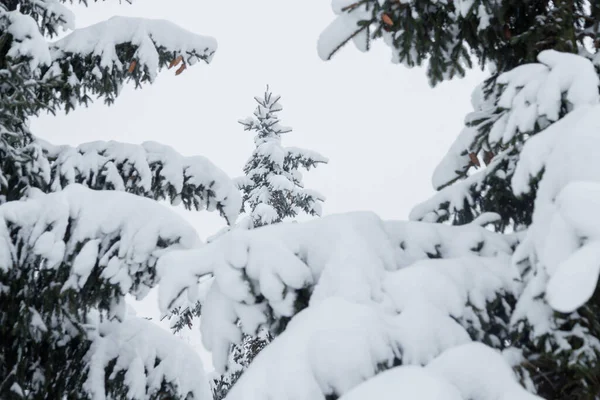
column 489, row 292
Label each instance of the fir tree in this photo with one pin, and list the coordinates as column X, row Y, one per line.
column 272, row 191
column 529, row 46
column 69, row 254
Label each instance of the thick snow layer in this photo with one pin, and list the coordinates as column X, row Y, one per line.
column 528, row 95
column 358, row 270
column 57, row 224
column 28, row 41
column 311, row 248
column 564, row 230
column 149, row 356
column 328, row 348
column 154, row 40
column 335, row 346
column 470, row 371
column 449, row 284
column 147, row 35
column 151, row 169
column 414, row 241
column 408, row 382
column 483, row 373
column 343, row 28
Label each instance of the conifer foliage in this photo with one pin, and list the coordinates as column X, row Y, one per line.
column 445, row 34
column 273, row 191
column 272, row 188
column 75, row 232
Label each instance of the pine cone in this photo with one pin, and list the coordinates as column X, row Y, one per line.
column 474, row 159
column 181, row 69
column 175, row 62
column 488, row 156
column 387, row 20
column 132, row 66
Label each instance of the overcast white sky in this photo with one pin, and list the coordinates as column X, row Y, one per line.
column 381, row 125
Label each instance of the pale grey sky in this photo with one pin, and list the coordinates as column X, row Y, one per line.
column 381, row 125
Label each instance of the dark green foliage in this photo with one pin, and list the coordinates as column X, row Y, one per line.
column 108, row 85
column 184, row 317
column 19, row 99
column 242, row 356
column 506, row 33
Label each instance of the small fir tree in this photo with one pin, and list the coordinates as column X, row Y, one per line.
column 272, row 191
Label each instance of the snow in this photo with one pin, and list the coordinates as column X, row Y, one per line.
column 563, row 232
column 526, row 100
column 575, row 280
column 313, row 247
column 149, row 356
column 333, row 347
column 456, row 160
column 345, row 26
column 448, row 284
column 325, row 349
column 147, row 35
column 410, row 382
column 272, row 186
column 36, row 321
column 28, row 41
column 85, row 261
column 81, row 232
column 349, row 13
column 452, row 198
column 266, row 212
column 153, row 39
column 280, row 182
column 530, row 93
column 483, row 373
column 360, row 271
column 416, row 240
column 337, row 33
column 297, row 153
column 88, row 217
column 150, row 169
column 54, row 13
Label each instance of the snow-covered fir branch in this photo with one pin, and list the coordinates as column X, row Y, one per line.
column 151, row 170
column 67, row 260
